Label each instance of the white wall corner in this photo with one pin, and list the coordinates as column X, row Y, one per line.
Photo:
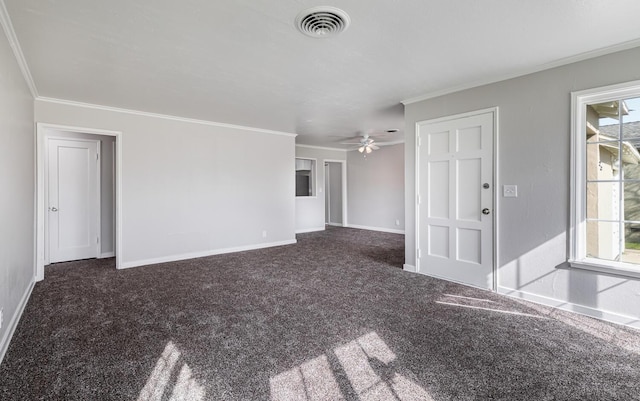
column 13, row 323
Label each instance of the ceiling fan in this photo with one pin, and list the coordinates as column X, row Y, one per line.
column 365, row 143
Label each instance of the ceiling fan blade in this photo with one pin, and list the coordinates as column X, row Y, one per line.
column 374, row 147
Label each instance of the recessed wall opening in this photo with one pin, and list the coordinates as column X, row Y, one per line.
column 305, row 177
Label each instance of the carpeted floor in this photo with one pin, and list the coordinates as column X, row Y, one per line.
column 332, row 317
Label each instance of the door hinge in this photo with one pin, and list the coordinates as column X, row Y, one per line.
column 419, row 199
column 97, row 156
column 97, row 240
column 418, row 139
column 419, row 254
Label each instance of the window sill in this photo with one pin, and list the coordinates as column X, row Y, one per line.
column 595, row 265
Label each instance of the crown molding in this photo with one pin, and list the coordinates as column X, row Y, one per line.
column 320, row 147
column 5, row 21
column 162, row 116
column 542, row 67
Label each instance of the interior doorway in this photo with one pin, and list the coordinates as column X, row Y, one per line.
column 335, row 193
column 78, row 181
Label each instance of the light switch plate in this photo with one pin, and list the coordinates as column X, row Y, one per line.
column 510, row 191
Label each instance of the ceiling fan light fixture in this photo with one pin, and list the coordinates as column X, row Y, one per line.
column 361, row 149
column 369, row 150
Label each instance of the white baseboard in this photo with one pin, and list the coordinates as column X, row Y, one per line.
column 107, row 255
column 13, row 323
column 409, row 268
column 335, row 224
column 310, row 230
column 193, row 255
column 381, row 229
column 571, row 307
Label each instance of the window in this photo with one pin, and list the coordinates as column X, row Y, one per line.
column 606, row 179
column 305, row 177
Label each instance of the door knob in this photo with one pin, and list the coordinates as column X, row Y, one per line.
column 53, row 209
column 486, row 211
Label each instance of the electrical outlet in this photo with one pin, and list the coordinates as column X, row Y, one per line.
column 264, row 234
column 397, row 222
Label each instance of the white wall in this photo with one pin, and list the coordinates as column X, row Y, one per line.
column 17, row 183
column 376, row 189
column 534, row 153
column 310, row 210
column 191, row 189
column 107, row 186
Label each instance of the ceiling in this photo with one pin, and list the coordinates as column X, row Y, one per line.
column 243, row 61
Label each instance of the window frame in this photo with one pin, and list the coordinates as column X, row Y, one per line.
column 578, row 178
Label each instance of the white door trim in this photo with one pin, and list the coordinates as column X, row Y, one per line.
column 496, row 184
column 41, row 254
column 344, row 188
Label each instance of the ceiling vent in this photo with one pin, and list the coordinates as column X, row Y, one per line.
column 322, row 22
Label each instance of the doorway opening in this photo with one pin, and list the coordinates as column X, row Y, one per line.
column 78, row 195
column 335, row 193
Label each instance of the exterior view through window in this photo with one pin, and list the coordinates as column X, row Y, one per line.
column 613, row 181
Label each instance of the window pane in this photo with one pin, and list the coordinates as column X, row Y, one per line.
column 602, row 160
column 603, row 201
column 631, row 159
column 631, row 253
column 603, row 240
column 631, row 201
column 631, row 119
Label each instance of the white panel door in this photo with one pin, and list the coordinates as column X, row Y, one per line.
column 455, row 199
column 73, row 199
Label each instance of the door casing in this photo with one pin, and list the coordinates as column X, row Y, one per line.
column 42, row 131
column 343, row 172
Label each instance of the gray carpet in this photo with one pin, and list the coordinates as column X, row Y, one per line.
column 332, row 317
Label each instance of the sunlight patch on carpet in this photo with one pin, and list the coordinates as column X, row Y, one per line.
column 185, row 386
column 508, row 312
column 366, row 363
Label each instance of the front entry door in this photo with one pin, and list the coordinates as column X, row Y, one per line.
column 455, row 199
column 73, row 199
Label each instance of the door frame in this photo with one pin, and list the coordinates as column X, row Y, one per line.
column 47, row 233
column 344, row 188
column 41, row 255
column 496, row 208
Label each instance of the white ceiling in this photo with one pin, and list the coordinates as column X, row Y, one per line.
column 243, row 62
